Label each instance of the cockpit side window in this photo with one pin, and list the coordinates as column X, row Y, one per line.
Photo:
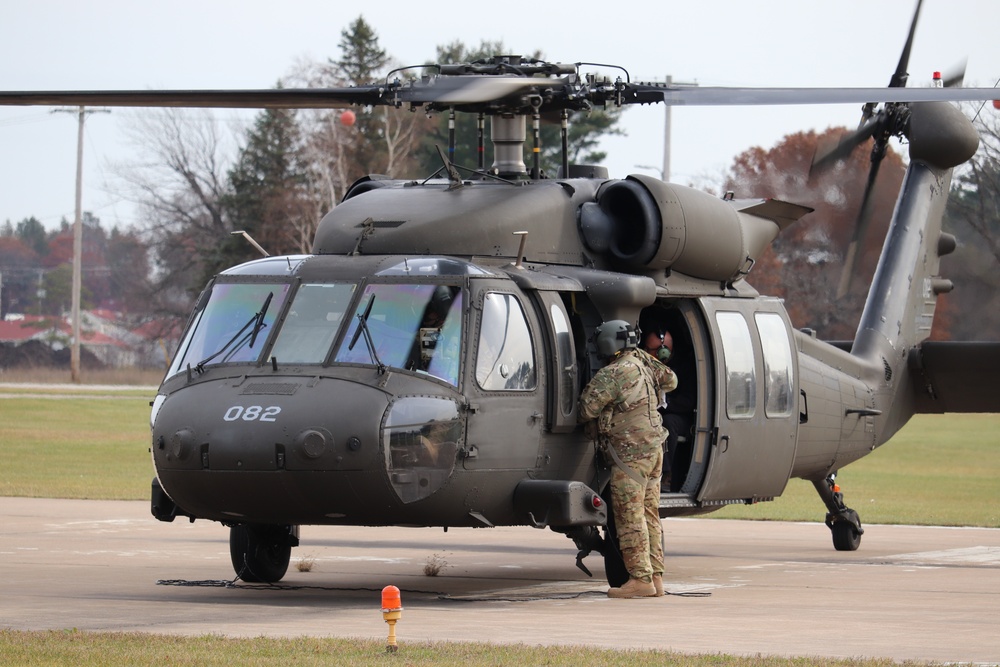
column 417, row 327
column 313, row 319
column 505, row 360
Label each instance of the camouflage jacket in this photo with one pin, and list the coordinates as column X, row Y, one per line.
column 623, row 396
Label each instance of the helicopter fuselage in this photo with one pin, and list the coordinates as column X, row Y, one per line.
column 471, row 422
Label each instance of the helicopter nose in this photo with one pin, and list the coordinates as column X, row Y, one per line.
column 222, row 451
column 210, row 428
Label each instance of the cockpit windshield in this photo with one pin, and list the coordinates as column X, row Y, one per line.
column 233, row 326
column 417, row 327
column 312, row 323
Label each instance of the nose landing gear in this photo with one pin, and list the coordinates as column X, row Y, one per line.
column 260, row 554
column 842, row 521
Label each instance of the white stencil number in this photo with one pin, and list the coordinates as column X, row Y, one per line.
column 252, row 413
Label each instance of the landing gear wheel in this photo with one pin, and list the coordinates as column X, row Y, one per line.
column 260, row 554
column 843, row 522
column 846, row 536
column 614, row 565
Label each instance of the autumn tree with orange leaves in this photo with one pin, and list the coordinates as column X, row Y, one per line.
column 805, row 262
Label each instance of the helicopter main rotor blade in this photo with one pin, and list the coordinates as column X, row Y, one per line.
column 270, row 98
column 482, row 90
column 707, row 96
column 454, row 90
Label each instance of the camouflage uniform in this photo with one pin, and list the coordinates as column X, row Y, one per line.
column 623, row 396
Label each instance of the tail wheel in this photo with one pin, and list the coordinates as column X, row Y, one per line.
column 846, row 536
column 260, row 554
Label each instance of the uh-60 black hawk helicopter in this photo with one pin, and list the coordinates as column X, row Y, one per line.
column 422, row 366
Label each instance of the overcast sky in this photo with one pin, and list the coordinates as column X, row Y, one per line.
column 183, row 44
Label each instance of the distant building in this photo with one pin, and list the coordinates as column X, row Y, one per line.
column 33, row 340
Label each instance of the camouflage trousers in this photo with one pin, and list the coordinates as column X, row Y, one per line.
column 637, row 518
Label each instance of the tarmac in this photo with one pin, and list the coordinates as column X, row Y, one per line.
column 735, row 587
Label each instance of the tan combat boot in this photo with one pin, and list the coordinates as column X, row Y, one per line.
column 658, row 585
column 634, row 588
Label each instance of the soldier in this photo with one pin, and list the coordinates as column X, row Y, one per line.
column 623, row 396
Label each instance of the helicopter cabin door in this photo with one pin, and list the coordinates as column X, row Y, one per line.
column 504, row 383
column 756, row 424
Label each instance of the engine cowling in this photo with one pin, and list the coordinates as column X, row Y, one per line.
column 644, row 224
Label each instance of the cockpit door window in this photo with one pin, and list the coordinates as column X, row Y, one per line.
column 505, row 359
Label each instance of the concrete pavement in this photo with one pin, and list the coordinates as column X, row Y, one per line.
column 919, row 593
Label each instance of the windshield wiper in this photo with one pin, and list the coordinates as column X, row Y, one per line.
column 363, row 329
column 260, row 319
column 258, row 323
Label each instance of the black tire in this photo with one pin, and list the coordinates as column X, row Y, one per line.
column 614, row 565
column 260, row 554
column 845, row 536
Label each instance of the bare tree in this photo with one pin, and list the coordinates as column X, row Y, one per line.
column 340, row 152
column 178, row 182
column 975, row 197
column 973, row 216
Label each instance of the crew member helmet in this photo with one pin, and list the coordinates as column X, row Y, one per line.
column 614, row 336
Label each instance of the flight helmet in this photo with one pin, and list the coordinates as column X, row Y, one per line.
column 614, row 336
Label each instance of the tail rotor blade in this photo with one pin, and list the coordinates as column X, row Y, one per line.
column 900, row 76
column 844, row 148
column 887, row 122
column 955, row 76
column 851, row 257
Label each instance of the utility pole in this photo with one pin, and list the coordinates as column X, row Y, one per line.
column 74, row 363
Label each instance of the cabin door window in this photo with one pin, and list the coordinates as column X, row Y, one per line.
column 777, row 364
column 741, row 378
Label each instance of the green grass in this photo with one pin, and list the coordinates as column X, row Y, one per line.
column 939, row 470
column 75, row 447
column 83, row 649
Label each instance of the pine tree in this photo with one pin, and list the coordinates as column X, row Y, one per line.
column 268, row 196
column 362, row 62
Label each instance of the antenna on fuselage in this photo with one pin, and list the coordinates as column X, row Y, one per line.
column 251, row 241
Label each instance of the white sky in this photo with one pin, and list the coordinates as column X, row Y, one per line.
column 186, row 44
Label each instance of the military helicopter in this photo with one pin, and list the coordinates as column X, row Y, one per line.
column 422, row 365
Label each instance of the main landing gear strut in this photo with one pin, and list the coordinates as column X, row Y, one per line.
column 842, row 521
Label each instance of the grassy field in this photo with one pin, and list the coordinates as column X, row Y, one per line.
column 79, row 649
column 939, row 470
column 68, row 446
column 89, row 376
